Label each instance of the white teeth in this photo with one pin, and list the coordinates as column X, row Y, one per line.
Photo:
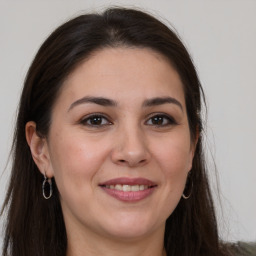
column 143, row 187
column 118, row 187
column 127, row 188
column 135, row 188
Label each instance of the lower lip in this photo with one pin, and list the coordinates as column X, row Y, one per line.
column 131, row 196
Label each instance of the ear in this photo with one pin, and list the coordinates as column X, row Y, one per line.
column 39, row 149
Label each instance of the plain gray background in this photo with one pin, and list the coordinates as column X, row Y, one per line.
column 221, row 37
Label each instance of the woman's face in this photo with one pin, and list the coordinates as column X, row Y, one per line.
column 119, row 144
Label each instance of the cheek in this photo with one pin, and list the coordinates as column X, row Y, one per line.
column 75, row 160
column 174, row 157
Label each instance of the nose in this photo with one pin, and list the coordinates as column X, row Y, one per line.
column 130, row 148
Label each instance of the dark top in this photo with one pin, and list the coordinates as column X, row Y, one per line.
column 243, row 249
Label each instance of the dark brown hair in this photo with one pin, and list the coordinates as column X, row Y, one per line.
column 35, row 226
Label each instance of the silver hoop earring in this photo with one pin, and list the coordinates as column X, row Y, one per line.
column 191, row 189
column 47, row 185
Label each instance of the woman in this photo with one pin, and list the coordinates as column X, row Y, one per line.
column 107, row 151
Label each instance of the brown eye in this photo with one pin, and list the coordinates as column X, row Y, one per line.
column 158, row 120
column 95, row 120
column 161, row 120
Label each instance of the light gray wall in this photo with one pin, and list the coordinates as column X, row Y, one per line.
column 221, row 36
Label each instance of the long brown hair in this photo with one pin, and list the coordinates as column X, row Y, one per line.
column 35, row 226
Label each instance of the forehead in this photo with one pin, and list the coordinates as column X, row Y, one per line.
column 115, row 71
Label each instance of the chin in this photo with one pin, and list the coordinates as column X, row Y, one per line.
column 130, row 228
column 129, row 234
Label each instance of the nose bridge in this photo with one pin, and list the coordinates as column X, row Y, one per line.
column 131, row 146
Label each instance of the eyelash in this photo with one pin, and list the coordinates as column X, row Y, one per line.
column 165, row 119
column 98, row 116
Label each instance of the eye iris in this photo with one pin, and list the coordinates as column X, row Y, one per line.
column 157, row 120
column 96, row 120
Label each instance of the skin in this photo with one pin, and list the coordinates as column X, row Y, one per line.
column 125, row 142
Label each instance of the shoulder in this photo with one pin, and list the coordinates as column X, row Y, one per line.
column 243, row 249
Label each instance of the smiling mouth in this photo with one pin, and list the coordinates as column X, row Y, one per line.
column 128, row 188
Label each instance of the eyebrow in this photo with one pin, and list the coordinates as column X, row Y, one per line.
column 96, row 100
column 160, row 101
column 111, row 103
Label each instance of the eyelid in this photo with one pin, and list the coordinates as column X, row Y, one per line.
column 97, row 114
column 171, row 119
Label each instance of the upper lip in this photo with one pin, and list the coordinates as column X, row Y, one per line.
column 128, row 181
